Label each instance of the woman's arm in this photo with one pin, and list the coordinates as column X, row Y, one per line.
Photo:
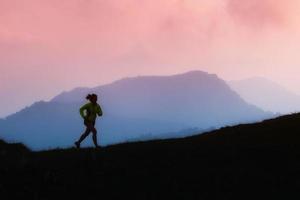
column 99, row 111
column 81, row 110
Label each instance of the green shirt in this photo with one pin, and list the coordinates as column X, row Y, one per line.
column 91, row 111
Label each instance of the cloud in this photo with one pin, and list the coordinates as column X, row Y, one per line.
column 117, row 25
column 97, row 41
column 256, row 13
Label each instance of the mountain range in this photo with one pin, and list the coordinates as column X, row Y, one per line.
column 267, row 95
column 133, row 107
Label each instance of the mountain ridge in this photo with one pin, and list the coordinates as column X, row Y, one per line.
column 134, row 107
column 126, row 79
column 267, row 94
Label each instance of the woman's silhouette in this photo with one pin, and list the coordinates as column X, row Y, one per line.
column 89, row 113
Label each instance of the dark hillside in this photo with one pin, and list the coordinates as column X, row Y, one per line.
column 252, row 161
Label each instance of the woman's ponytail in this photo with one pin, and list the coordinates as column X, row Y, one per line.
column 91, row 96
column 88, row 97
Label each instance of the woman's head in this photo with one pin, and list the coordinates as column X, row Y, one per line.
column 92, row 98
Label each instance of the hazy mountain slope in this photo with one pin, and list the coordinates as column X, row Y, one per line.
column 133, row 107
column 251, row 161
column 185, row 97
column 267, row 95
column 50, row 124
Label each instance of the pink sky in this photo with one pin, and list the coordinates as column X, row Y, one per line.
column 47, row 46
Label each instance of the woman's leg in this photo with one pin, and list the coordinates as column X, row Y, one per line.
column 94, row 131
column 85, row 134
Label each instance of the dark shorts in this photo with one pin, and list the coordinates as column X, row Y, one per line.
column 88, row 123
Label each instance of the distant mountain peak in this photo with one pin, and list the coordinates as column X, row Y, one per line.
column 194, row 72
column 267, row 94
column 153, row 105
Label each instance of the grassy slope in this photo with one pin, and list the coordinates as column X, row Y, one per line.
column 247, row 161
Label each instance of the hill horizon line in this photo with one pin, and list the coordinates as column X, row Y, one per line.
column 111, row 82
column 190, row 72
column 198, row 136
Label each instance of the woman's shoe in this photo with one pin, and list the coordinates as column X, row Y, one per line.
column 77, row 144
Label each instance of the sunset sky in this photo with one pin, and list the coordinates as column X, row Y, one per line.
column 48, row 46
